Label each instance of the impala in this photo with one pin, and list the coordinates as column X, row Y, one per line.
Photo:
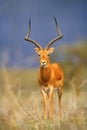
column 50, row 76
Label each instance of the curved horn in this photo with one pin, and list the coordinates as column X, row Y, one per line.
column 27, row 38
column 56, row 38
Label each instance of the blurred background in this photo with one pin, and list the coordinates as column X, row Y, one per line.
column 21, row 102
column 14, row 16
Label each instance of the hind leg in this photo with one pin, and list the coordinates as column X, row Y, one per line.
column 59, row 92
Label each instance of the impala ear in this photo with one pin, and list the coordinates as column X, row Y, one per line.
column 51, row 50
column 37, row 50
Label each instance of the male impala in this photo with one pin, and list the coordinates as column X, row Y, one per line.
column 50, row 76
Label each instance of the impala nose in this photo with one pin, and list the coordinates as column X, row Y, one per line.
column 43, row 63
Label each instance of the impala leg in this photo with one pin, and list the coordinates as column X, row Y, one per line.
column 51, row 103
column 60, row 91
column 44, row 99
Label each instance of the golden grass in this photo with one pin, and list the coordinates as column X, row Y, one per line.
column 21, row 103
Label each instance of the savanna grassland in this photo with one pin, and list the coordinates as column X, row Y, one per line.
column 21, row 101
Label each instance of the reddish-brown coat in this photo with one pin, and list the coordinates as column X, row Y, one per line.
column 52, row 75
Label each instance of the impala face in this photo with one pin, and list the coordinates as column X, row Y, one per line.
column 44, row 56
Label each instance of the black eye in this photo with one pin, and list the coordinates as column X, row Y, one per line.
column 47, row 54
column 38, row 54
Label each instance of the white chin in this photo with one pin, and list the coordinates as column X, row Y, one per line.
column 43, row 64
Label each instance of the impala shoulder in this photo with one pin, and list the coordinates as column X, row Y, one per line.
column 56, row 66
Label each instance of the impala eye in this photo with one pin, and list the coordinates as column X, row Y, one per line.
column 38, row 54
column 47, row 54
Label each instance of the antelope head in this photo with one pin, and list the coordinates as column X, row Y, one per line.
column 44, row 53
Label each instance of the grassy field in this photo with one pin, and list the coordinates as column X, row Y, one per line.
column 21, row 102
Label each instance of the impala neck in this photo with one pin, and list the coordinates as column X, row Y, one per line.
column 45, row 73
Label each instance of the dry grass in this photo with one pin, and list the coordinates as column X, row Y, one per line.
column 21, row 103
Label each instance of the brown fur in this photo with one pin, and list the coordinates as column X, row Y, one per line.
column 50, row 77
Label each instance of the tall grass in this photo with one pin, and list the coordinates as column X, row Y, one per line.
column 21, row 102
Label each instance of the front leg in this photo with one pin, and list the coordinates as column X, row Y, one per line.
column 45, row 100
column 51, row 103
